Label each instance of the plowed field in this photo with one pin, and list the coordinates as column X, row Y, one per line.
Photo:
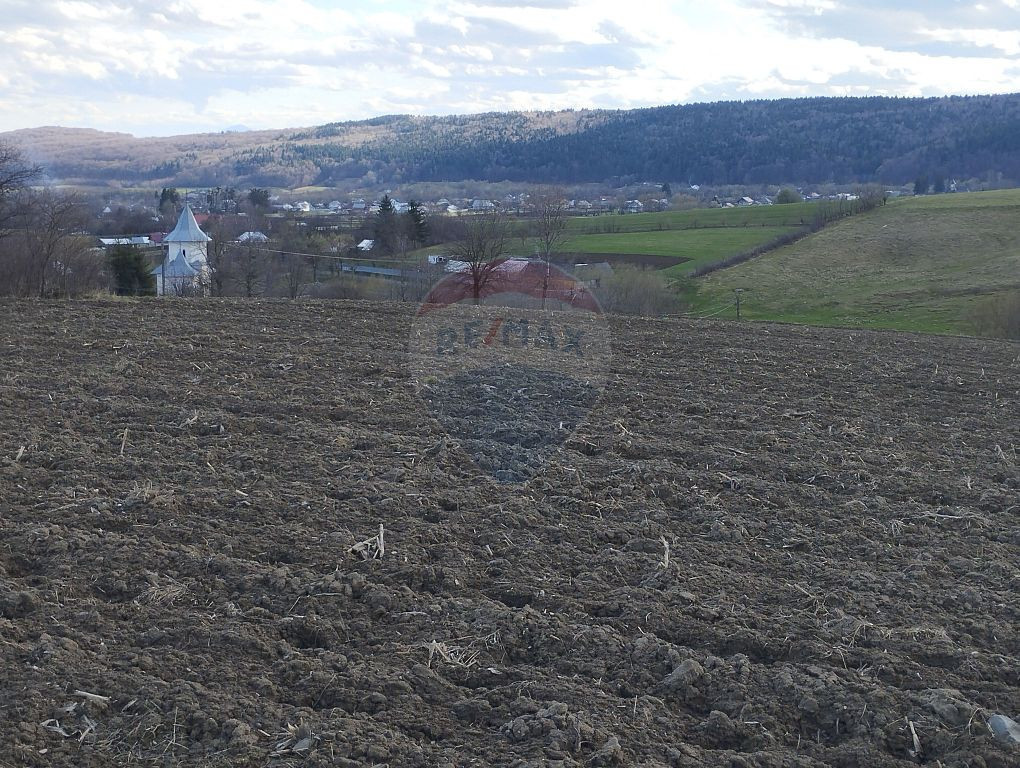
column 766, row 546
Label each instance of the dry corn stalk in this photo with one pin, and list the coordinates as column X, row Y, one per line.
column 373, row 548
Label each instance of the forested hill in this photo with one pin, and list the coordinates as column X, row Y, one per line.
column 890, row 140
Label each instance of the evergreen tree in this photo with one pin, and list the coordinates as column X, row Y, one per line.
column 169, row 201
column 131, row 275
column 385, row 226
column 259, row 198
column 418, row 223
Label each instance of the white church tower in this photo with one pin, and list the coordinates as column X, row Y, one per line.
column 185, row 268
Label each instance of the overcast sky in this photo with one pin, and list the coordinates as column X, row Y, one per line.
column 156, row 67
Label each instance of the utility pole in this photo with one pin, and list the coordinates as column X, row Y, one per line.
column 736, row 293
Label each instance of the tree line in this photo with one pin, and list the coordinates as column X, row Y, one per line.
column 810, row 140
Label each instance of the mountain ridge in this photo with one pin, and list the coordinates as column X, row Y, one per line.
column 811, row 140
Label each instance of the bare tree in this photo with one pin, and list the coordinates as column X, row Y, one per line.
column 294, row 277
column 550, row 228
column 46, row 242
column 15, row 173
column 481, row 245
column 248, row 269
column 315, row 246
column 218, row 258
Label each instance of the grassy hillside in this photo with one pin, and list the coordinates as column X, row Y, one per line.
column 681, row 241
column 682, row 250
column 677, row 241
column 919, row 264
column 790, row 215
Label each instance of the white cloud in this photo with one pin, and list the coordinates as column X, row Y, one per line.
column 1006, row 41
column 181, row 65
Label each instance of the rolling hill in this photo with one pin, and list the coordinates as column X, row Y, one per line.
column 921, row 263
column 842, row 140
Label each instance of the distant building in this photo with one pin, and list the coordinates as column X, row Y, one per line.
column 185, row 267
column 253, row 237
column 106, row 242
column 525, row 277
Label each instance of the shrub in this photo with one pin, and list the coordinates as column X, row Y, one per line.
column 788, row 195
column 636, row 291
column 350, row 287
column 999, row 316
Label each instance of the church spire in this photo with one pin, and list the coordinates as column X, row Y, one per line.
column 187, row 229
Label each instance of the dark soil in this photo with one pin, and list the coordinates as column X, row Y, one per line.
column 510, row 422
column 182, row 483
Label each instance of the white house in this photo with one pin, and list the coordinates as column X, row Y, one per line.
column 185, row 267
